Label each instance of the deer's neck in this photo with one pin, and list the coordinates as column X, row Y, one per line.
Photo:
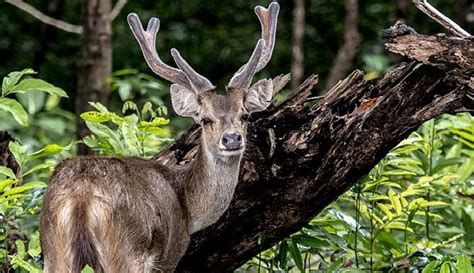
column 209, row 188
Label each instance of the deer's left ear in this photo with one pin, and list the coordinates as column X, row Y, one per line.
column 259, row 96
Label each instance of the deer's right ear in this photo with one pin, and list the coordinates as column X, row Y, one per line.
column 184, row 101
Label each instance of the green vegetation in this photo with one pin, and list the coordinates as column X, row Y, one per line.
column 414, row 211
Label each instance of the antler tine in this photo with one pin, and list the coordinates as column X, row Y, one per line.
column 147, row 39
column 243, row 78
column 268, row 21
column 199, row 82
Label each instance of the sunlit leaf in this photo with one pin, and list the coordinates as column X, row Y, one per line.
column 32, row 85
column 464, row 264
column 7, row 172
column 13, row 78
column 15, row 109
column 395, row 200
column 94, row 116
column 429, row 268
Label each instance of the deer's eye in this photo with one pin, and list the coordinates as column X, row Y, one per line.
column 244, row 117
column 206, row 121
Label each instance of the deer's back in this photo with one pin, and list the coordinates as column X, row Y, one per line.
column 102, row 210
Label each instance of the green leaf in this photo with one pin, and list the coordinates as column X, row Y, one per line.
column 430, row 267
column 104, row 131
column 336, row 266
column 397, row 225
column 395, row 200
column 445, row 268
column 34, row 248
column 296, row 255
column 443, row 163
column 20, row 249
column 386, row 210
column 468, row 226
column 433, row 203
column 283, row 254
column 33, row 101
column 99, row 106
column 94, row 116
column 129, row 105
column 15, row 109
column 18, row 152
column 7, row 172
column 26, row 187
column 464, row 264
column 30, row 85
column 13, row 78
column 309, row 241
column 399, row 172
column 48, row 150
column 24, row 265
column 7, row 182
column 131, row 139
column 39, row 167
column 87, row 269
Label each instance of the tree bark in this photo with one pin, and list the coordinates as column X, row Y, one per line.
column 302, row 156
column 348, row 51
column 95, row 64
column 297, row 49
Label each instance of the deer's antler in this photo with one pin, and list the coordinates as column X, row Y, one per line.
column 185, row 75
column 268, row 21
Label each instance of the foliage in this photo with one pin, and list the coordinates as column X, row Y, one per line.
column 34, row 105
column 20, row 201
column 21, row 192
column 12, row 84
column 413, row 212
column 140, row 134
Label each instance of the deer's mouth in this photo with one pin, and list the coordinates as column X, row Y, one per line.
column 232, row 151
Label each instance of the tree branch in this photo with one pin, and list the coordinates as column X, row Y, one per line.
column 301, row 157
column 446, row 22
column 117, row 9
column 45, row 18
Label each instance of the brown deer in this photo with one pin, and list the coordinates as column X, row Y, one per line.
column 135, row 215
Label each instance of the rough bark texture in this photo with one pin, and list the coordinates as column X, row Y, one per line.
column 95, row 65
column 348, row 50
column 303, row 155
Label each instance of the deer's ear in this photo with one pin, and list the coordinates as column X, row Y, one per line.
column 259, row 96
column 184, row 101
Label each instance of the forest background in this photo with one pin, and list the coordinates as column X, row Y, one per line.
column 414, row 211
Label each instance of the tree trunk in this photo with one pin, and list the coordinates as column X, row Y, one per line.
column 348, row 51
column 95, row 64
column 302, row 156
column 297, row 49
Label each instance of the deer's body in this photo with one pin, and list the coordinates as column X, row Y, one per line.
column 95, row 219
column 135, row 215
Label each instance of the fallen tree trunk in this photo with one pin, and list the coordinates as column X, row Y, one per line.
column 303, row 154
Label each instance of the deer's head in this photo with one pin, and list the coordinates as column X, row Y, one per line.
column 223, row 118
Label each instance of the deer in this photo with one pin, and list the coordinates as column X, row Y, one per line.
column 136, row 215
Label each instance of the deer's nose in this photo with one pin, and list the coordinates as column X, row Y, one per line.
column 231, row 140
